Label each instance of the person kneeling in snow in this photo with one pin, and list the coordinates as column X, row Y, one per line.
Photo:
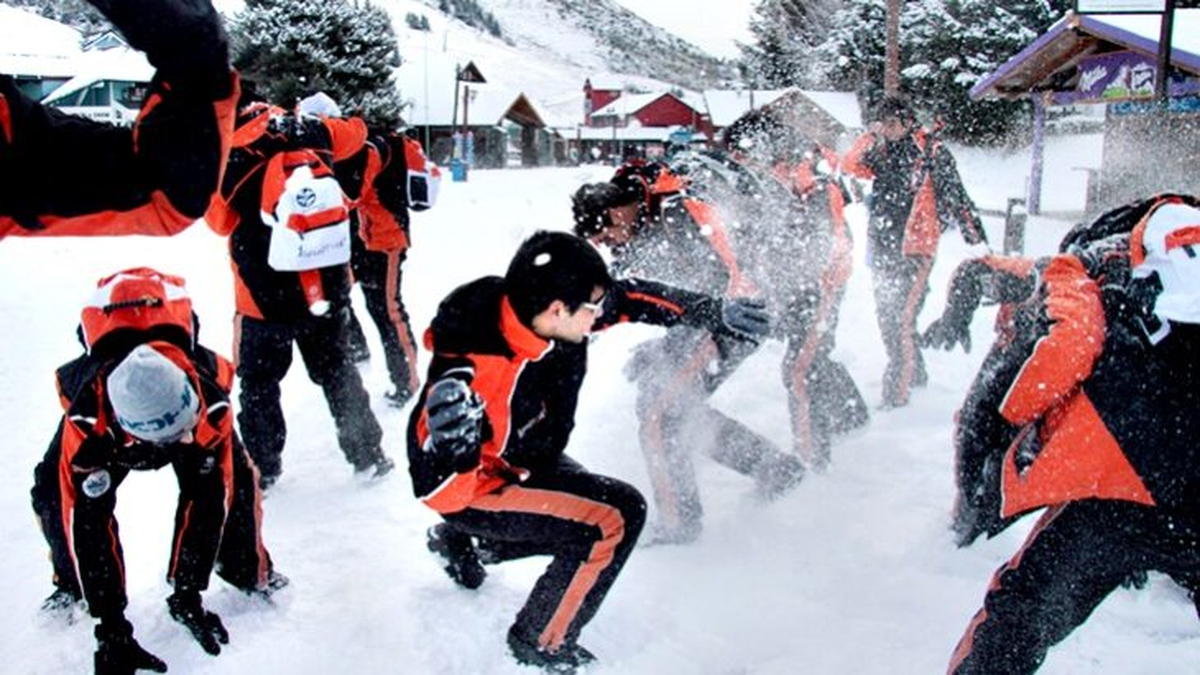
column 145, row 395
column 1107, row 400
column 486, row 439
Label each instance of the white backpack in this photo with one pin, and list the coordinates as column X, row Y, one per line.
column 307, row 212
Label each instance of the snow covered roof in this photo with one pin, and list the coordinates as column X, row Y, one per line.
column 487, row 106
column 34, row 45
column 1048, row 62
column 726, row 105
column 841, row 105
column 635, row 133
column 629, row 104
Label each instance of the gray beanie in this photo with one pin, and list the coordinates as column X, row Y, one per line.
column 152, row 397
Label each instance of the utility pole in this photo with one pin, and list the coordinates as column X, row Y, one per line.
column 891, row 69
column 1163, row 71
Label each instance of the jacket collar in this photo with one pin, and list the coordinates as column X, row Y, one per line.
column 520, row 338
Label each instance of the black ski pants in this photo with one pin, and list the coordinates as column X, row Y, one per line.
column 675, row 376
column 823, row 399
column 240, row 556
column 900, row 283
column 1075, row 556
column 264, row 355
column 379, row 275
column 588, row 523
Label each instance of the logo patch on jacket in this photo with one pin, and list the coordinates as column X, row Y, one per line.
column 97, row 483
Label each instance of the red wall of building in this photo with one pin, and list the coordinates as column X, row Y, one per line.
column 596, row 99
column 666, row 111
column 602, row 97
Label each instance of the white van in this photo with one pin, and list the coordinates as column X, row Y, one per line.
column 110, row 86
column 112, row 101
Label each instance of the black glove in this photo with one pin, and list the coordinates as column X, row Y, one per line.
column 455, row 416
column 117, row 653
column 745, row 318
column 947, row 331
column 205, row 626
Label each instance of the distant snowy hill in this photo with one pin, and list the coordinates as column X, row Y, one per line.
column 547, row 49
column 622, row 40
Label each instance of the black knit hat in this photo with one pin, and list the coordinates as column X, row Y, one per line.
column 591, row 202
column 553, row 266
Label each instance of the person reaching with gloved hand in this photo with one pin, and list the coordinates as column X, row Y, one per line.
column 145, row 395
column 488, row 435
column 1105, row 395
column 657, row 229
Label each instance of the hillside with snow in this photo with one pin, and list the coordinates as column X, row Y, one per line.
column 547, row 49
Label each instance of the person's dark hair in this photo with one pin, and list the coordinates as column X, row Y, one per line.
column 591, row 202
column 553, row 266
column 891, row 107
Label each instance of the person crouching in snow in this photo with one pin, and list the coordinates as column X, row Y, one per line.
column 1108, row 399
column 145, row 395
column 487, row 437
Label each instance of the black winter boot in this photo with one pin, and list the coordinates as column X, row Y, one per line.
column 567, row 659
column 458, row 553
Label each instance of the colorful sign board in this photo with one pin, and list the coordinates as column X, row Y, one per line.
column 1124, row 76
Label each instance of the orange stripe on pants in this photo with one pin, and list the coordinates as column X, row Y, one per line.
column 569, row 507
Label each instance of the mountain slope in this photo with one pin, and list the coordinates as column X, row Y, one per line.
column 599, row 35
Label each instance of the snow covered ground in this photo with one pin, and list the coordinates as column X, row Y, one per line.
column 854, row 572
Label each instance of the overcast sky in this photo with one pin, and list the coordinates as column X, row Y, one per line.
column 711, row 25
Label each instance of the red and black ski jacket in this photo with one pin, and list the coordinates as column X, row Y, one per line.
column 376, row 179
column 262, row 133
column 95, row 454
column 1106, row 414
column 530, row 385
column 917, row 192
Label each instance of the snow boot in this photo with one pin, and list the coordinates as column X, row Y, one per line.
column 778, row 476
column 62, row 603
column 567, row 659
column 458, row 553
column 275, row 582
column 378, row 466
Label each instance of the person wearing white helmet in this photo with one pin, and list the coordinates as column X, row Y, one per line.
column 1105, row 402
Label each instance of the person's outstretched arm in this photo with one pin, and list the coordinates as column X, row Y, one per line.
column 65, row 175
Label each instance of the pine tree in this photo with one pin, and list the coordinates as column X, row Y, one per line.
column 75, row 13
column 786, row 34
column 947, row 46
column 347, row 49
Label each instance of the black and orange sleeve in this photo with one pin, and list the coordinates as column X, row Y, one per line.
column 71, row 176
column 1072, row 337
